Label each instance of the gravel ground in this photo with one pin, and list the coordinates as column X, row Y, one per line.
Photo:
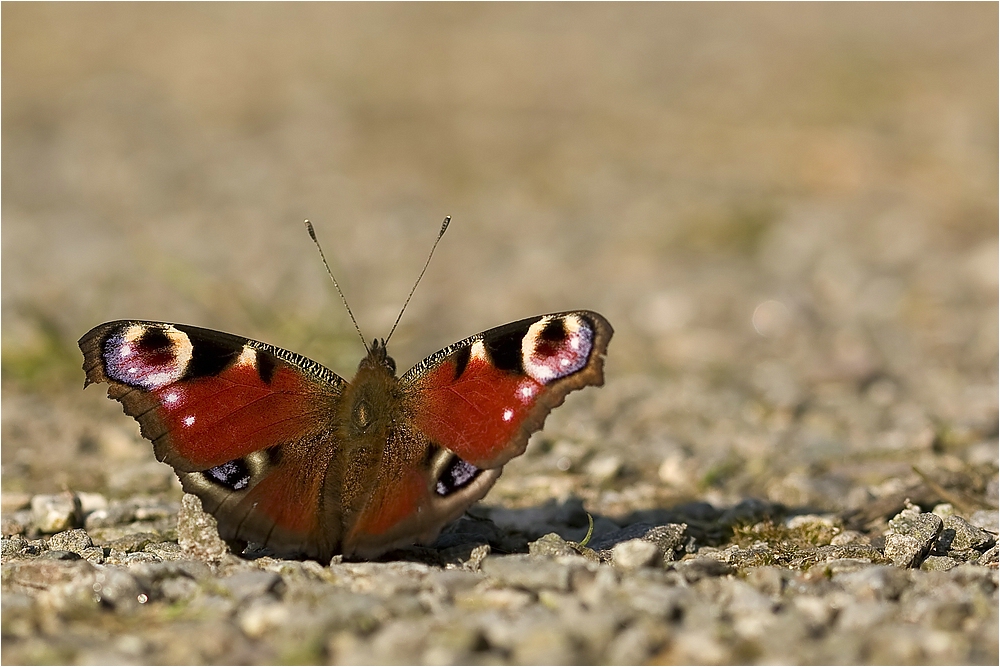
column 788, row 214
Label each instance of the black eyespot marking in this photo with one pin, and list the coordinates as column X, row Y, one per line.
column 208, row 358
column 462, row 360
column 266, row 365
column 140, row 355
column 458, row 475
column 233, row 475
column 154, row 340
column 505, row 351
column 555, row 330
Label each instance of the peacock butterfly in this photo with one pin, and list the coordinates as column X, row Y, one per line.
column 289, row 455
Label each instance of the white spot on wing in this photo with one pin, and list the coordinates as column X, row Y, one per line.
column 478, row 351
column 248, row 357
column 527, row 390
column 508, row 414
column 189, row 420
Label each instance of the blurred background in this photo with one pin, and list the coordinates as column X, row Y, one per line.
column 788, row 213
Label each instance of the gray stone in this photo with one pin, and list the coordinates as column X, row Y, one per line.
column 911, row 535
column 198, row 533
column 696, row 569
column 59, row 554
column 838, row 565
column 817, row 611
column 113, row 515
column 878, row 582
column 862, row 615
column 165, row 550
column 16, row 523
column 93, row 554
column 988, row 519
column 17, row 615
column 989, row 557
column 848, row 537
column 452, row 581
column 135, row 557
column 526, row 572
column 636, row 644
column 117, row 588
column 178, row 588
column 938, row 563
column 131, row 542
column 55, row 513
column 91, row 502
column 544, row 644
column 75, row 540
column 634, row 554
column 658, row 600
column 12, row 502
column 251, row 584
column 769, row 580
column 855, row 551
column 262, row 616
column 669, row 538
column 12, row 547
column 476, row 557
column 960, row 535
column 551, row 545
column 751, row 612
column 452, row 644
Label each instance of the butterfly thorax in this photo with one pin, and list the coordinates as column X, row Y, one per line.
column 371, row 398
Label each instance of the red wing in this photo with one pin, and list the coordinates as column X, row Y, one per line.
column 247, row 426
column 483, row 397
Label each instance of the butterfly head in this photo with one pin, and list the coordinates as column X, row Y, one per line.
column 378, row 358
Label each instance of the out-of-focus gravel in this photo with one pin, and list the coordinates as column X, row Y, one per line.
column 788, row 214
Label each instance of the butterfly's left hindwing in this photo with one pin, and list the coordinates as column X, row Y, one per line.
column 247, row 426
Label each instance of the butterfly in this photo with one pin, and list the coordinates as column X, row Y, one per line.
column 289, row 456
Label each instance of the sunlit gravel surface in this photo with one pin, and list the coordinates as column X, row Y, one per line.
column 788, row 213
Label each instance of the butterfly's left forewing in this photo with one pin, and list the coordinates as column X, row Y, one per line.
column 483, row 397
column 248, row 427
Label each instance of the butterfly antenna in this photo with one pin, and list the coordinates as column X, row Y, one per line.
column 444, row 228
column 312, row 235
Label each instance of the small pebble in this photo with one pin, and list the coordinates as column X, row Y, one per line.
column 634, row 554
column 75, row 540
column 52, row 514
column 523, row 571
column 938, row 563
column 198, row 533
column 911, row 535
